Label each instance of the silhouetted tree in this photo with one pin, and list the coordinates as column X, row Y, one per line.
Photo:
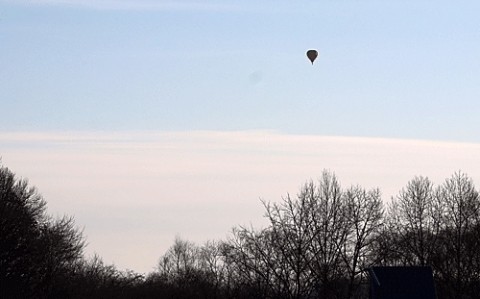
column 365, row 220
column 37, row 253
column 416, row 215
column 439, row 228
column 316, row 245
column 59, row 249
column 292, row 227
column 95, row 279
column 458, row 252
column 212, row 264
column 198, row 267
column 21, row 215
column 331, row 230
column 181, row 259
column 305, row 250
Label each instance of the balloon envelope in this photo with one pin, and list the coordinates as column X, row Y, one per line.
column 312, row 55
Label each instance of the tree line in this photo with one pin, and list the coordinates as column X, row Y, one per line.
column 317, row 244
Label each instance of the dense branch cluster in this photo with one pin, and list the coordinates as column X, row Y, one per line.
column 317, row 245
column 42, row 257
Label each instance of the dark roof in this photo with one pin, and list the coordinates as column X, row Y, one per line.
column 401, row 283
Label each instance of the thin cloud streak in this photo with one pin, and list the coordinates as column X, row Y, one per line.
column 149, row 186
column 140, row 5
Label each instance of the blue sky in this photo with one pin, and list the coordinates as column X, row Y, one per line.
column 402, row 69
column 147, row 119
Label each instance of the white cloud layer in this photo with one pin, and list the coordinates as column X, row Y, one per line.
column 134, row 191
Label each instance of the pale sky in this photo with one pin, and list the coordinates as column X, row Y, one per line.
column 146, row 119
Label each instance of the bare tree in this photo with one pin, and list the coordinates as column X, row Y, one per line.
column 60, row 247
column 252, row 256
column 180, row 259
column 300, row 254
column 22, row 209
column 212, row 264
column 38, row 254
column 416, row 214
column 458, row 253
column 292, row 226
column 329, row 237
column 365, row 219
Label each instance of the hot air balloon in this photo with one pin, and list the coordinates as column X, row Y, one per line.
column 312, row 55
